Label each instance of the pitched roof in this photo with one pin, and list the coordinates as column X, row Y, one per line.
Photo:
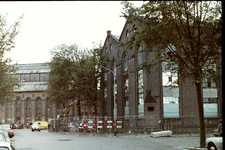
column 33, row 68
column 32, row 87
column 115, row 37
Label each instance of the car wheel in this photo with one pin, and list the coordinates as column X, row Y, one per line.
column 39, row 130
column 32, row 130
column 45, row 128
column 212, row 146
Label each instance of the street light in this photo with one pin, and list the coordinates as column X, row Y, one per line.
column 114, row 98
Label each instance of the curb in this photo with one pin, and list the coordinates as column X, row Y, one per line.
column 190, row 148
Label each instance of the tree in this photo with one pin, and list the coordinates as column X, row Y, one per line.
column 8, row 83
column 87, row 77
column 185, row 34
column 74, row 75
column 60, row 81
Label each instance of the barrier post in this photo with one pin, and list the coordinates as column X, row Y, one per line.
column 97, row 125
column 114, row 128
column 110, row 129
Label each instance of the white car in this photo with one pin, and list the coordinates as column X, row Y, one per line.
column 5, row 146
column 35, row 127
column 214, row 143
column 4, row 131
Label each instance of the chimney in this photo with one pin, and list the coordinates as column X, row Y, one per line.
column 108, row 32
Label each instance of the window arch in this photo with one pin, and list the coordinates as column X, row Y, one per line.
column 114, row 78
column 110, row 47
column 134, row 28
column 170, row 78
column 126, row 86
column 127, row 33
column 28, row 109
column 9, row 112
column 18, row 109
column 49, row 109
column 125, row 64
column 140, row 81
column 39, row 107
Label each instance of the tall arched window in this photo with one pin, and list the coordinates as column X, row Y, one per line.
column 126, row 86
column 18, row 109
column 9, row 112
column 49, row 109
column 125, row 65
column 170, row 95
column 114, row 86
column 140, row 91
column 38, row 113
column 28, row 112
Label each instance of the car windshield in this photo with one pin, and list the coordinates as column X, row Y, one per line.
column 2, row 137
column 6, row 134
column 36, row 125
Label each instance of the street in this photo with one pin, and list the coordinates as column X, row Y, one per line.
column 24, row 139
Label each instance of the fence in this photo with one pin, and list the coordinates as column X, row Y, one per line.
column 136, row 125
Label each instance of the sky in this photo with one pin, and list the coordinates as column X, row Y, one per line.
column 47, row 24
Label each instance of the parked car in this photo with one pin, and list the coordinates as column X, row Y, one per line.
column 214, row 143
column 43, row 124
column 5, row 146
column 35, row 127
column 17, row 126
column 2, row 137
column 4, row 131
column 8, row 129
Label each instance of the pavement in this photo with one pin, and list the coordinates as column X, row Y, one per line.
column 179, row 142
column 145, row 136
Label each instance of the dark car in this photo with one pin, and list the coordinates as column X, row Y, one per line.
column 8, row 129
column 17, row 126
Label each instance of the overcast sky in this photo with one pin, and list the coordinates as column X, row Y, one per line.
column 47, row 24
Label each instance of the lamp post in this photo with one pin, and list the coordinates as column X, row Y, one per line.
column 114, row 98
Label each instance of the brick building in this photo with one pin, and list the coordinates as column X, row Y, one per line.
column 145, row 99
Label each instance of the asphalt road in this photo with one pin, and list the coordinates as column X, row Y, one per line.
column 24, row 139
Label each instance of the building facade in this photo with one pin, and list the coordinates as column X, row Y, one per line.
column 31, row 103
column 145, row 99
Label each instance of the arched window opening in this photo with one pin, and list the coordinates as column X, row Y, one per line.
column 9, row 112
column 39, row 105
column 18, row 109
column 170, row 95
column 49, row 109
column 126, row 87
column 114, row 85
column 125, row 65
column 28, row 110
column 140, row 87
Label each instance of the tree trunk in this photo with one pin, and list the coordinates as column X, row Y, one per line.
column 201, row 114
